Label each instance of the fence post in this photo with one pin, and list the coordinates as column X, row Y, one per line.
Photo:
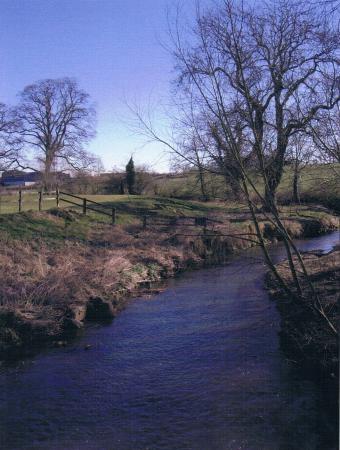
column 40, row 200
column 113, row 216
column 20, row 200
column 144, row 222
column 57, row 196
column 205, row 223
column 84, row 206
column 173, row 221
column 202, row 221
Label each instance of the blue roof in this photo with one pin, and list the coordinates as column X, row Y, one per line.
column 21, row 177
column 13, row 182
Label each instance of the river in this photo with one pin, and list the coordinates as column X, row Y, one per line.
column 196, row 367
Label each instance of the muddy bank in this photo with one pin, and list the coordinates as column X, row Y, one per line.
column 305, row 337
column 49, row 290
column 307, row 342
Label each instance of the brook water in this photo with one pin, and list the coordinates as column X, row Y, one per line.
column 195, row 367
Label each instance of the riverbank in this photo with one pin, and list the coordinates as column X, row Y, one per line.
column 196, row 366
column 60, row 269
column 306, row 340
column 305, row 337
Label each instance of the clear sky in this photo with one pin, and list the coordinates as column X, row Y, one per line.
column 112, row 47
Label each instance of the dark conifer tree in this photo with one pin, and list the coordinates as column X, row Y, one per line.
column 130, row 176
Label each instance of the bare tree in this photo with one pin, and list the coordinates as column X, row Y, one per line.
column 278, row 62
column 56, row 120
column 222, row 150
column 299, row 155
column 198, row 151
column 10, row 144
column 144, row 180
column 192, row 141
column 325, row 131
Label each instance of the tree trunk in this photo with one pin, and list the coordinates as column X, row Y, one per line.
column 202, row 183
column 235, row 189
column 270, row 201
column 122, row 188
column 273, row 177
column 274, row 169
column 47, row 174
column 296, row 183
column 233, row 182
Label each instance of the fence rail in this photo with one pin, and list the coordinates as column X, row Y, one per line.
column 187, row 221
column 149, row 218
column 87, row 204
column 28, row 200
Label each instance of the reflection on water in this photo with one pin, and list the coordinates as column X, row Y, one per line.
column 196, row 367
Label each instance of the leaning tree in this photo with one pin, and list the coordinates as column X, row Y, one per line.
column 55, row 121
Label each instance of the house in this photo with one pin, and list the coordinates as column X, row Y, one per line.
column 14, row 178
column 17, row 178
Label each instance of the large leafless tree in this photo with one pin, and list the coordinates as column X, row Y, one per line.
column 56, row 120
column 9, row 142
column 279, row 62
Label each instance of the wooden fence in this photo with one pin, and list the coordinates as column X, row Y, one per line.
column 86, row 204
column 29, row 200
column 188, row 221
column 148, row 218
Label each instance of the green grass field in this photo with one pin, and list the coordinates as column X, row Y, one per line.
column 54, row 225
column 179, row 196
column 318, row 184
column 9, row 203
column 128, row 207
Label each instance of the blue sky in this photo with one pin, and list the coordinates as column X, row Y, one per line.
column 113, row 49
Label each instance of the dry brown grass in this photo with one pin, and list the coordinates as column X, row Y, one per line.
column 34, row 275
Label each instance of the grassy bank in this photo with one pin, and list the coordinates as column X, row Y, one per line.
column 319, row 183
column 59, row 269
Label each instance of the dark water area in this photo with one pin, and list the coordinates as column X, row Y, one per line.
column 196, row 367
